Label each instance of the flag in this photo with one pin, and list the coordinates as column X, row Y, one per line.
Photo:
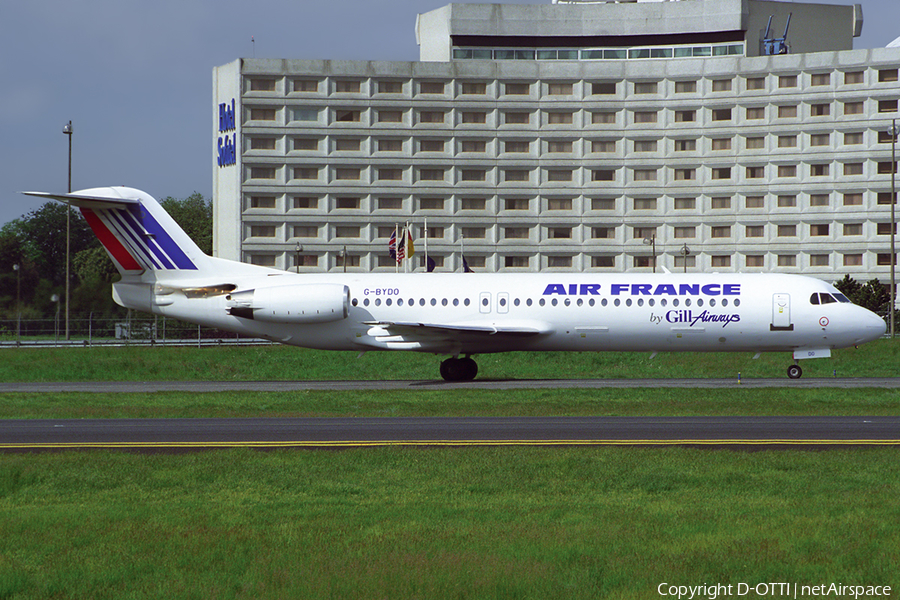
column 466, row 268
column 401, row 248
column 410, row 250
column 429, row 264
column 392, row 245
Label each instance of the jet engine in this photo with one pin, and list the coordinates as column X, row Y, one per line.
column 304, row 303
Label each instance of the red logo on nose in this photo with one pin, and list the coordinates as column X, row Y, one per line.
column 823, row 321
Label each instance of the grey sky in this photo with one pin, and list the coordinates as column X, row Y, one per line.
column 135, row 78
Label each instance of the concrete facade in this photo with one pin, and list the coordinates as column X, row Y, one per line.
column 750, row 163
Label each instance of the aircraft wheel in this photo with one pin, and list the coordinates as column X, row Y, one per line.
column 794, row 372
column 459, row 369
column 470, row 367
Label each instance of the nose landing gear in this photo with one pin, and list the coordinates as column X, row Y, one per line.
column 794, row 372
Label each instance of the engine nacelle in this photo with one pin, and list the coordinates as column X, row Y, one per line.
column 302, row 303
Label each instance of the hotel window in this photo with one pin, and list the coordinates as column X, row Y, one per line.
column 645, row 204
column 721, row 202
column 390, row 87
column 473, row 174
column 559, row 261
column 756, row 112
column 269, row 173
column 787, row 201
column 819, row 260
column 390, row 116
column 603, row 145
column 645, row 116
column 559, row 204
column 516, row 146
column 513, row 262
column 852, row 229
column 390, row 174
column 515, row 233
column 755, row 202
column 559, row 89
column 884, row 259
column 884, row 106
column 600, row 262
column 787, row 81
column 305, row 202
column 685, row 232
column 756, row 83
column 887, row 75
column 787, row 231
column 642, row 261
column 306, row 144
column 262, row 202
column 645, row 145
column 853, row 169
column 387, row 145
column 681, row 116
column 685, row 174
column 853, row 199
column 262, row 114
column 685, row 261
column 559, row 146
column 431, row 145
column 429, row 203
column 473, row 89
column 853, row 77
column 787, row 260
column 853, row 260
column 755, row 231
column 603, row 118
column 755, row 143
column 721, row 144
column 263, row 260
column 603, row 203
column 721, row 85
column 306, row 85
column 474, row 117
column 515, row 175
column 603, row 233
column 720, row 232
column 431, row 87
column 346, row 231
column 431, row 116
column 473, row 146
column 306, row 114
column 306, row 231
column 347, row 145
column 559, row 175
column 346, row 87
column 685, row 145
column 347, row 203
column 721, row 261
column 820, row 110
column 685, row 87
column 818, row 170
column 818, row 229
column 473, row 203
column 431, row 174
column 641, row 233
column 821, row 79
column 721, row 114
column 262, row 231
column 787, row 112
column 262, row 143
column 820, row 139
column 884, row 198
column 603, row 175
column 516, row 118
column 685, row 203
column 347, row 116
column 820, row 200
column 559, row 233
column 787, row 170
column 755, row 172
column 754, row 260
column 603, row 88
column 646, row 87
column 853, row 108
column 517, row 89
column 853, row 139
column 644, row 174
column 515, row 204
column 721, row 173
column 473, row 233
column 884, row 229
column 559, row 118
column 347, row 173
column 787, row 141
column 389, row 203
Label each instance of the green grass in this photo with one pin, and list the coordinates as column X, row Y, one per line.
column 261, row 363
column 441, row 523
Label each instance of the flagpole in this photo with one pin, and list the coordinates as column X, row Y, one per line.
column 462, row 252
column 396, row 248
column 426, row 244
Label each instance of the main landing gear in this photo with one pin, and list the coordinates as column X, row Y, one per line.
column 794, row 371
column 459, row 369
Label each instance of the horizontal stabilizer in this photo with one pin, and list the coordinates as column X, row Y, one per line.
column 86, row 201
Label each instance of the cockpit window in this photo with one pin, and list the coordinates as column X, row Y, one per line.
column 827, row 298
column 823, row 298
column 814, row 299
column 842, row 298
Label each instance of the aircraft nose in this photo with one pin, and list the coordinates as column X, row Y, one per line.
column 873, row 327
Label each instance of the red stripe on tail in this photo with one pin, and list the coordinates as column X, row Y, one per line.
column 111, row 242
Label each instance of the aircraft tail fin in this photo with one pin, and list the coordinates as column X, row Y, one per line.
column 134, row 229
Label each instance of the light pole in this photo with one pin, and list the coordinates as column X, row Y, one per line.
column 67, row 130
column 55, row 298
column 893, row 131
column 685, row 252
column 651, row 241
column 18, row 304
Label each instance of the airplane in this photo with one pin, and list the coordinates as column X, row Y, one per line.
column 465, row 314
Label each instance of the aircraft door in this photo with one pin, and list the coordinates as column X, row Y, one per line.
column 502, row 302
column 484, row 302
column 781, row 313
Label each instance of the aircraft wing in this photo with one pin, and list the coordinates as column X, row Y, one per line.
column 448, row 337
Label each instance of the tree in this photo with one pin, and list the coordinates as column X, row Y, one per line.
column 42, row 238
column 873, row 294
column 194, row 215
